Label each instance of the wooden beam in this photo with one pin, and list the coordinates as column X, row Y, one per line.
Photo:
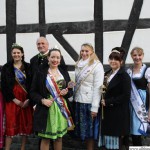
column 79, row 27
column 58, row 36
column 10, row 25
column 98, row 18
column 131, row 25
column 2, row 29
column 42, row 25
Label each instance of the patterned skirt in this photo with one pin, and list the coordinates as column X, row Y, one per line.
column 85, row 126
column 109, row 142
column 56, row 124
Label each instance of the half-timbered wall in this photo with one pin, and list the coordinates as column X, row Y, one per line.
column 69, row 23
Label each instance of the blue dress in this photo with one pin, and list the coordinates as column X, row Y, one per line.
column 140, row 80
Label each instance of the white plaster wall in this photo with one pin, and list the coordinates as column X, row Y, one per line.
column 27, row 11
column 2, row 13
column 3, row 56
column 111, row 40
column 145, row 12
column 69, row 10
column 117, row 9
column 141, row 38
column 28, row 42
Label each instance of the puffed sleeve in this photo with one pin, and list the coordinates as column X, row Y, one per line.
column 147, row 74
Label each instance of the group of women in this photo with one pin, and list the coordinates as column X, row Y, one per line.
column 108, row 106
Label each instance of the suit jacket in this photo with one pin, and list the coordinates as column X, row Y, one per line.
column 8, row 80
column 116, row 112
column 39, row 91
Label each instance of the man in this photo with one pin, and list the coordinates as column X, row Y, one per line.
column 41, row 59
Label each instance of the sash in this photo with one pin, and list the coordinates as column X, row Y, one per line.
column 139, row 108
column 20, row 78
column 83, row 74
column 54, row 90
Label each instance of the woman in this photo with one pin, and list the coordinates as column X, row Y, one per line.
column 89, row 75
column 49, row 90
column 15, row 91
column 140, row 79
column 115, row 122
column 1, row 114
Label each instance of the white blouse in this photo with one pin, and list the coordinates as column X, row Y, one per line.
column 112, row 75
column 138, row 75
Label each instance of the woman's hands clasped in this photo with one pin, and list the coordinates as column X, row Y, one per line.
column 20, row 103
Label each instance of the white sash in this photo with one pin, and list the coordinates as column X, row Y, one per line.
column 139, row 108
column 83, row 74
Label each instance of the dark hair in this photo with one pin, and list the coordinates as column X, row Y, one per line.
column 117, row 53
column 52, row 50
column 17, row 46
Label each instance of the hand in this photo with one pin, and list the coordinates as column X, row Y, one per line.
column 64, row 92
column 18, row 102
column 47, row 102
column 26, row 103
column 103, row 102
column 34, row 107
column 93, row 114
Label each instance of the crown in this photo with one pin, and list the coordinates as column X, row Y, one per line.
column 16, row 45
column 116, row 51
column 55, row 47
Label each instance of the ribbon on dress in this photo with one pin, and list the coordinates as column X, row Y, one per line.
column 139, row 108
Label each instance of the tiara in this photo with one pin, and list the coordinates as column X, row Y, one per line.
column 16, row 45
column 116, row 51
column 55, row 47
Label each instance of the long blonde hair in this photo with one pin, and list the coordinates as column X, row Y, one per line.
column 93, row 55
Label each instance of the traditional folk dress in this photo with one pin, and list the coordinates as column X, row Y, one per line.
column 139, row 101
column 18, row 120
column 85, row 126
column 59, row 118
column 110, row 142
column 115, row 118
column 1, row 115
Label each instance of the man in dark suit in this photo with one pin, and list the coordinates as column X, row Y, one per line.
column 40, row 59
